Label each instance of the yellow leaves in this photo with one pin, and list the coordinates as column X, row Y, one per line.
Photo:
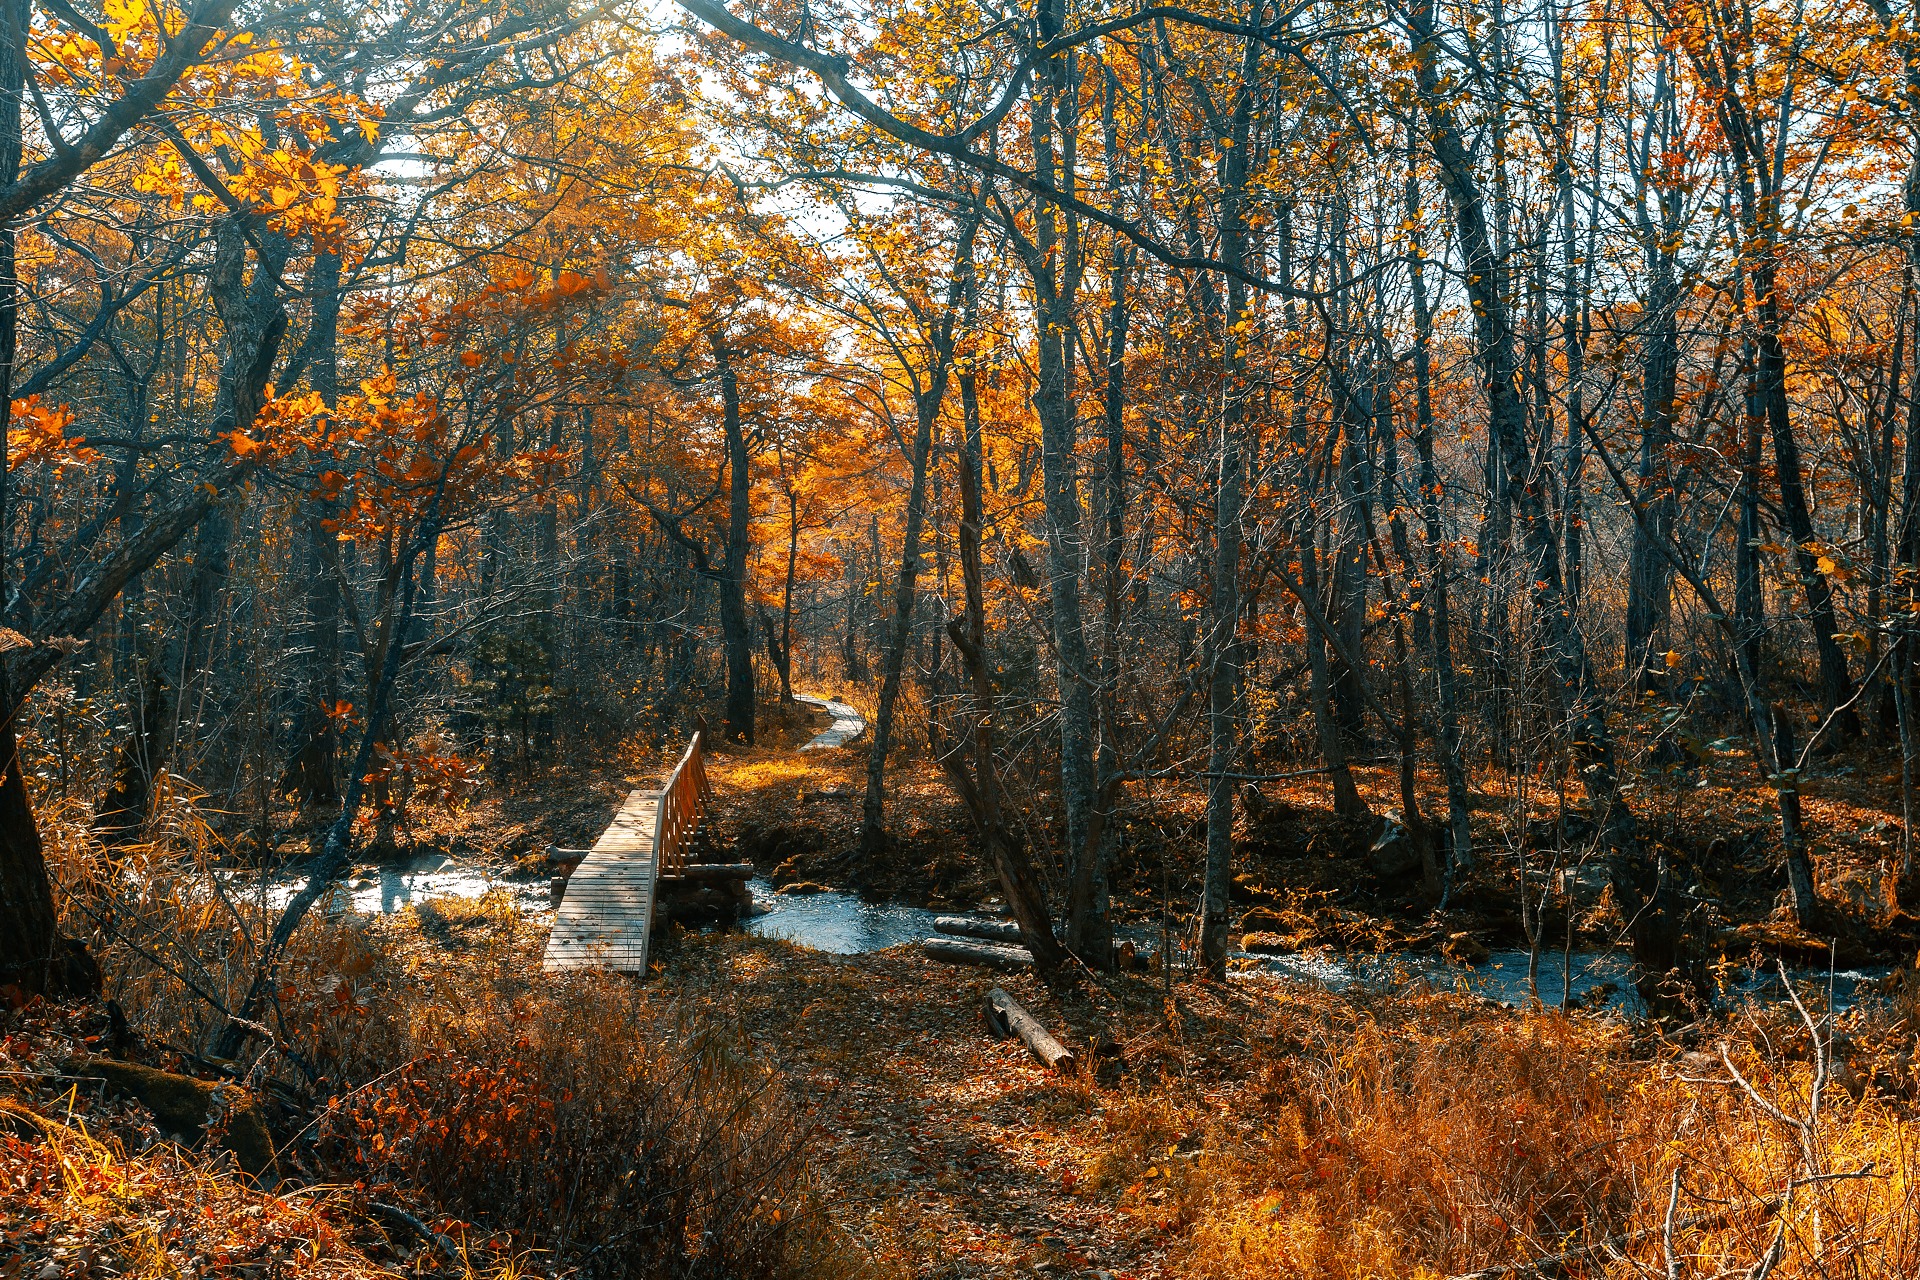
column 1830, row 561
column 162, row 176
column 301, row 194
column 1673, row 659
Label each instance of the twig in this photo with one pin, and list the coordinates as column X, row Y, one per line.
column 1259, row 777
column 1666, row 1227
column 1669, row 1229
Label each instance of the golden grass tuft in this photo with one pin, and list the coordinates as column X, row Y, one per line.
column 1424, row 1136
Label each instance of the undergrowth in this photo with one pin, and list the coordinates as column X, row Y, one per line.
column 1425, row 1135
column 436, row 1102
column 440, row 1106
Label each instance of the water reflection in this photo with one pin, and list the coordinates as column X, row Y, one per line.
column 1599, row 979
column 391, row 889
column 842, row 924
column 839, row 923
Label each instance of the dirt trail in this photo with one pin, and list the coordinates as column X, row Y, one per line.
column 952, row 1154
column 847, row 725
column 949, row 1153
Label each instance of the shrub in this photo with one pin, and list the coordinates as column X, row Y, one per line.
column 642, row 1142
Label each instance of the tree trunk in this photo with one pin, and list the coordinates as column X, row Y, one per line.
column 1223, row 648
column 1435, row 596
column 1089, row 923
column 1223, row 747
column 1649, row 576
column 1836, row 684
column 979, row 787
column 1053, row 263
column 785, row 664
column 736, row 630
column 900, row 626
column 33, row 955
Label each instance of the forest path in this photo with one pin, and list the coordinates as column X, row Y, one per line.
column 946, row 1152
column 847, row 725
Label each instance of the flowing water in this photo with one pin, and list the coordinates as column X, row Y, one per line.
column 844, row 924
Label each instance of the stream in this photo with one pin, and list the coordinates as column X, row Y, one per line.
column 844, row 924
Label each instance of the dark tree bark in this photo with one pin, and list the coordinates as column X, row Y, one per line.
column 1434, row 596
column 314, row 772
column 34, row 956
column 1223, row 648
column 736, row 630
column 893, row 652
column 1054, row 264
column 969, row 764
column 1649, row 577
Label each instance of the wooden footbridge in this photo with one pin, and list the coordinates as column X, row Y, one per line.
column 607, row 907
column 606, row 913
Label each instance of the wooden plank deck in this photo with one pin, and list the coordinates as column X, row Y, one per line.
column 604, row 917
column 847, row 723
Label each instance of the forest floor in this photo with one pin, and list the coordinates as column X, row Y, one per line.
column 940, row 1147
column 1237, row 1129
column 1245, row 1129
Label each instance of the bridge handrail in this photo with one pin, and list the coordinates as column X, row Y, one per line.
column 686, row 792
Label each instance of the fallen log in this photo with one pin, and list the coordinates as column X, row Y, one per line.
column 969, row 927
column 991, row 954
column 1006, row 1016
column 1004, row 933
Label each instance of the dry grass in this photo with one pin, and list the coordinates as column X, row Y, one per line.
column 1417, row 1139
column 1258, row 1131
column 421, row 1061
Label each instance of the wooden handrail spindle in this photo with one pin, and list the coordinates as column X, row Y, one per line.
column 680, row 801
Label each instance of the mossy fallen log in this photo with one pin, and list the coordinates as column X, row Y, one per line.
column 188, row 1107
